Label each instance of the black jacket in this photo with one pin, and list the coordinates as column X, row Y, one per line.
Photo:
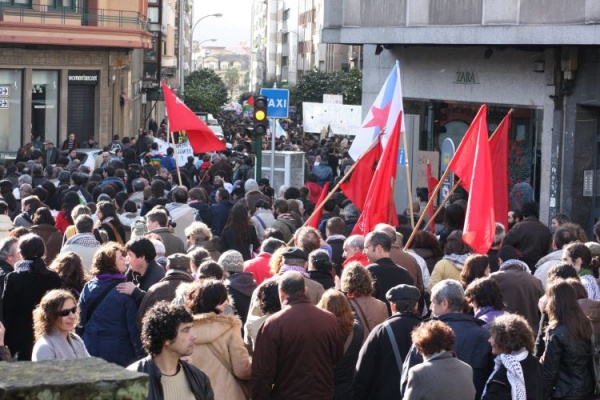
column 219, row 213
column 324, row 278
column 5, row 269
column 387, row 274
column 470, row 345
column 498, row 387
column 377, row 376
column 154, row 274
column 568, row 372
column 240, row 287
column 198, row 381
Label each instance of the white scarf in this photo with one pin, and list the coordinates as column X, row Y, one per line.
column 514, row 372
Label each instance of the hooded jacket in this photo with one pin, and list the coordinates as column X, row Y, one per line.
column 448, row 267
column 85, row 245
column 286, row 224
column 240, row 286
column 219, row 351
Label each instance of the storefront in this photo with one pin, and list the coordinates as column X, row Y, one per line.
column 81, row 118
column 443, row 88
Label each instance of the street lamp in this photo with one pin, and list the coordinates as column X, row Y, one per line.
column 181, row 53
column 199, row 46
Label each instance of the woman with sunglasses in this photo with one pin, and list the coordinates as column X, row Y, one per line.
column 54, row 322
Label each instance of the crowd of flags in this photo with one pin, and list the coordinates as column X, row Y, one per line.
column 480, row 161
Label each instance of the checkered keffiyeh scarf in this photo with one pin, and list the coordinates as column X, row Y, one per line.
column 514, row 373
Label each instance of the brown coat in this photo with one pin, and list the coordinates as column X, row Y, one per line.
column 370, row 311
column 52, row 239
column 408, row 262
column 295, row 352
column 220, row 353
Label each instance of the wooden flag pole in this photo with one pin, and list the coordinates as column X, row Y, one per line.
column 175, row 154
column 342, row 180
column 436, row 191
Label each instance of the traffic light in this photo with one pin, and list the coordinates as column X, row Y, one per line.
column 260, row 115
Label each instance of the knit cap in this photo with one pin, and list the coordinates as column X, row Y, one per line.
column 232, row 261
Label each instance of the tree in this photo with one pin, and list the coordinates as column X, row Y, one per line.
column 232, row 79
column 205, row 91
column 314, row 84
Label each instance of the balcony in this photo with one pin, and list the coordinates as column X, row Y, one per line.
column 44, row 25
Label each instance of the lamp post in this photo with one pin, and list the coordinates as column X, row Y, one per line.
column 181, row 33
column 217, row 15
column 192, row 67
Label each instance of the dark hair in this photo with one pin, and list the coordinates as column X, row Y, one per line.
column 32, row 248
column 530, row 209
column 308, row 239
column 432, row 337
column 68, row 266
column 380, row 238
column 563, row 309
column 180, row 194
column 204, row 296
column 46, row 314
column 475, row 266
column 161, row 323
column 69, row 203
column 486, row 293
column 271, row 244
column 512, row 332
column 320, row 261
column 141, row 247
column 238, row 222
column 562, row 237
column 273, row 233
column 281, row 206
column 427, row 240
column 223, row 194
column 198, row 255
column 107, row 208
column 84, row 224
column 455, row 244
column 561, row 270
column 454, row 217
column 561, row 218
column 268, row 296
column 291, row 193
column 43, row 216
column 507, row 252
column 210, row 269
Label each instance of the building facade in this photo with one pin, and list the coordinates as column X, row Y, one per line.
column 70, row 68
column 537, row 57
column 286, row 36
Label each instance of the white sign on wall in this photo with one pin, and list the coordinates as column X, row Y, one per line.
column 341, row 119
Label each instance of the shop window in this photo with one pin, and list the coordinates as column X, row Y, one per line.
column 44, row 105
column 11, row 108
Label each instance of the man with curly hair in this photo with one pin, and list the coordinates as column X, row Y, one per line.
column 167, row 336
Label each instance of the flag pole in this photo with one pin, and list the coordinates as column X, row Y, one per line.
column 175, row 154
column 408, row 183
column 436, row 191
column 343, row 179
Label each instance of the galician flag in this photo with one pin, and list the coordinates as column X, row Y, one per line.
column 384, row 113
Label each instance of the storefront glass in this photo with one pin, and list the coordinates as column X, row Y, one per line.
column 44, row 106
column 11, row 88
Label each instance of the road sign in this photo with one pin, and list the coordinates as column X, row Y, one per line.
column 4, row 91
column 278, row 102
column 3, row 103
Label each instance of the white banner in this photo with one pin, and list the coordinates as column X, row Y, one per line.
column 183, row 150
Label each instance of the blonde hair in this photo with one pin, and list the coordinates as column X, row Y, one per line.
column 199, row 231
column 276, row 261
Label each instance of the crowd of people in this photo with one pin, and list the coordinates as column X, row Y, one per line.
column 210, row 281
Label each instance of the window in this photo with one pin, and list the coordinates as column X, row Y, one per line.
column 284, row 61
column 22, row 3
column 69, row 4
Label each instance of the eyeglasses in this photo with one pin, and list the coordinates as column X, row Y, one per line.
column 65, row 313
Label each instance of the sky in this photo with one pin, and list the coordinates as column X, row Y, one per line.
column 229, row 30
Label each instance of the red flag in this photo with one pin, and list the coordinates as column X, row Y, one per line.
column 357, row 186
column 379, row 204
column 181, row 118
column 472, row 163
column 499, row 152
column 431, row 184
column 315, row 218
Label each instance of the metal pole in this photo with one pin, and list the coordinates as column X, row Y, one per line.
column 272, row 177
column 258, row 152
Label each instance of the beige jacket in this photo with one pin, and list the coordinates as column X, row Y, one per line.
column 370, row 311
column 219, row 341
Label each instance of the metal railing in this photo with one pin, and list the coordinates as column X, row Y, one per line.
column 99, row 17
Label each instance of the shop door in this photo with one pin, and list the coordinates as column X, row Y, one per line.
column 81, row 109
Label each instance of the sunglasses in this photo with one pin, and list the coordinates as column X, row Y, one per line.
column 65, row 313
